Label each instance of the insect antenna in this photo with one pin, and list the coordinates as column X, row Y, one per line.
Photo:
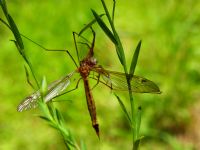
column 93, row 42
column 90, row 47
column 98, row 80
column 75, row 43
column 84, row 44
column 76, row 87
column 28, row 77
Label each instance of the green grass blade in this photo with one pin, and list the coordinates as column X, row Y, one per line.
column 113, row 10
column 59, row 117
column 89, row 24
column 21, row 53
column 110, row 35
column 135, row 58
column 45, row 118
column 104, row 27
column 124, row 109
column 119, row 53
column 50, row 109
column 13, row 26
column 16, row 33
column 4, row 7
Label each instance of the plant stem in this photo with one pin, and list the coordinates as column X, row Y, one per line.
column 121, row 50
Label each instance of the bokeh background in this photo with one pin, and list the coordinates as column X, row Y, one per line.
column 170, row 54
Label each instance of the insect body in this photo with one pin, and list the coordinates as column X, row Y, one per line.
column 113, row 80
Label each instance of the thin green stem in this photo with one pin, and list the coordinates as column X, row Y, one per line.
column 24, row 56
column 119, row 48
column 132, row 109
column 123, row 55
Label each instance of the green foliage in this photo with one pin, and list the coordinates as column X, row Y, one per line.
column 135, row 118
column 55, row 119
column 135, row 58
column 170, row 33
column 105, row 29
column 13, row 28
column 50, row 113
column 124, row 109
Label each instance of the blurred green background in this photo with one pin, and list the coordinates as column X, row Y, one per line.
column 169, row 56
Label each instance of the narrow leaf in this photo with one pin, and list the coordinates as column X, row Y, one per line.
column 89, row 24
column 21, row 53
column 59, row 116
column 113, row 11
column 120, row 54
column 51, row 109
column 16, row 33
column 135, row 58
column 43, row 107
column 12, row 26
column 104, row 27
column 45, row 118
column 17, row 46
column 113, row 37
column 123, row 108
column 4, row 7
column 53, row 125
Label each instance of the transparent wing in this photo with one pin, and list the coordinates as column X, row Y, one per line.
column 54, row 89
column 117, row 81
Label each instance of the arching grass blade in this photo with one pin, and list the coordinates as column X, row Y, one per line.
column 89, row 25
column 124, row 108
column 104, row 27
column 135, row 58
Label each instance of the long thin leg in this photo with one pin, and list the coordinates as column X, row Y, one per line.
column 98, row 79
column 94, row 35
column 84, row 44
column 69, row 90
column 52, row 50
column 91, row 52
column 27, row 77
column 82, row 37
column 77, row 54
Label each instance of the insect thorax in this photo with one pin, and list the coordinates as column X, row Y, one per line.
column 86, row 65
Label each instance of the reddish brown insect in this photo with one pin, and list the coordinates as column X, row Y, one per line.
column 113, row 80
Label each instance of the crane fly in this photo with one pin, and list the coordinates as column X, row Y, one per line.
column 113, row 80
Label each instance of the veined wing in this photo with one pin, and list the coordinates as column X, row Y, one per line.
column 117, row 81
column 54, row 89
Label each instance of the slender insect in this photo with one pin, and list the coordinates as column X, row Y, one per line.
column 113, row 80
